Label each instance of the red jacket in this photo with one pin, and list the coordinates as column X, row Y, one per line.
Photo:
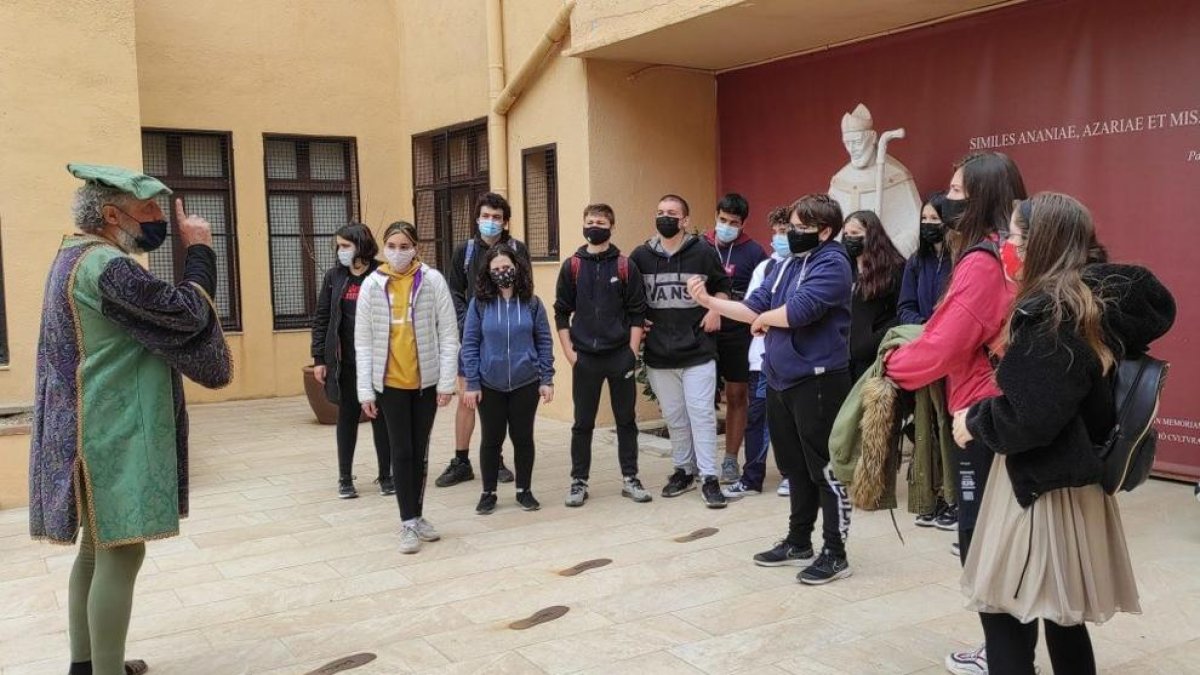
column 970, row 316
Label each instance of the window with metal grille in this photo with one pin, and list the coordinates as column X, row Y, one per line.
column 450, row 171
column 540, row 177
column 198, row 166
column 312, row 190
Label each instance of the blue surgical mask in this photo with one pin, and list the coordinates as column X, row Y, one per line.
column 779, row 244
column 489, row 228
column 726, row 233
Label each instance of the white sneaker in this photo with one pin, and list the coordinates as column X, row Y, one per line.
column 426, row 531
column 955, row 550
column 785, row 488
column 410, row 540
column 973, row 662
column 739, row 490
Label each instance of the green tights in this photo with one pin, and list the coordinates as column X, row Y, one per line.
column 100, row 602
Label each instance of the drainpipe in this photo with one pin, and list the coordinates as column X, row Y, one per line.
column 497, row 125
column 503, row 96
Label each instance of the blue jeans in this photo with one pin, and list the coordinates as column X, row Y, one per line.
column 758, row 439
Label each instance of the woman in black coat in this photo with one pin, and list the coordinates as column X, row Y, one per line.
column 1049, row 544
column 333, row 353
column 878, row 273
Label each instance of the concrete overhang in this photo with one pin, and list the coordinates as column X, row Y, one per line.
column 719, row 35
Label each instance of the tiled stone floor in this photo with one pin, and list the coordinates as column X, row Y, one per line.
column 275, row 575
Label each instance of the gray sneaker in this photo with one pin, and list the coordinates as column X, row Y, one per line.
column 410, row 540
column 578, row 493
column 426, row 531
column 729, row 470
column 633, row 489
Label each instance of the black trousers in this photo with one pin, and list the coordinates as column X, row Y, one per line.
column 409, row 416
column 974, row 465
column 590, row 373
column 1011, row 645
column 799, row 420
column 349, row 413
column 508, row 413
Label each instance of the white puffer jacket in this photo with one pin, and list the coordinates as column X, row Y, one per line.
column 434, row 323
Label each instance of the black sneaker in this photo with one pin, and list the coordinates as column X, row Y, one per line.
column 925, row 520
column 826, row 568
column 487, row 503
column 504, row 475
column 387, row 486
column 948, row 519
column 527, row 501
column 711, row 493
column 784, row 553
column 679, row 483
column 458, row 471
column 346, row 488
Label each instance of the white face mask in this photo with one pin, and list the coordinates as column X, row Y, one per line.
column 399, row 260
column 346, row 256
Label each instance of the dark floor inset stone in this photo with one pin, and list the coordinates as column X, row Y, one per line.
column 539, row 617
column 698, row 534
column 585, row 566
column 345, row 663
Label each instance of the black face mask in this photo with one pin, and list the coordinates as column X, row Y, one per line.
column 667, row 226
column 803, row 242
column 154, row 232
column 597, row 235
column 854, row 245
column 952, row 210
column 932, row 233
column 504, row 278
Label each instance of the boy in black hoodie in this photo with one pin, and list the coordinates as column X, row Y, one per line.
column 492, row 214
column 680, row 350
column 599, row 311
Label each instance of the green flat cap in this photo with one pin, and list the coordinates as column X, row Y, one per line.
column 137, row 184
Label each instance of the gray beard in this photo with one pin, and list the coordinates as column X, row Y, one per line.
column 127, row 242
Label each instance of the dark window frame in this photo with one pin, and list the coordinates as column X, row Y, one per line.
column 305, row 187
column 4, row 355
column 443, row 186
column 550, row 160
column 183, row 185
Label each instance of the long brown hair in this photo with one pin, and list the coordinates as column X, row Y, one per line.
column 487, row 290
column 1059, row 241
column 992, row 182
column 881, row 262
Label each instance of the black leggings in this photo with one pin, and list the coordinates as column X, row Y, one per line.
column 409, row 415
column 1011, row 645
column 349, row 414
column 511, row 413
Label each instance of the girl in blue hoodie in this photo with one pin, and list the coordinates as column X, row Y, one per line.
column 508, row 365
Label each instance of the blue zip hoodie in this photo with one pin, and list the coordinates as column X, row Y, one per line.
column 925, row 277
column 507, row 344
column 817, row 291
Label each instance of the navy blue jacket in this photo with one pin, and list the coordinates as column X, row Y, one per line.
column 817, row 291
column 925, row 277
column 507, row 345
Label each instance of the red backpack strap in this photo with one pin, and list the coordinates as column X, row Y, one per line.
column 623, row 269
column 575, row 269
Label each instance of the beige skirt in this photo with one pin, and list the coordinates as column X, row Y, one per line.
column 1063, row 559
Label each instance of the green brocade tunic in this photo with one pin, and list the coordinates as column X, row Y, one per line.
column 110, row 424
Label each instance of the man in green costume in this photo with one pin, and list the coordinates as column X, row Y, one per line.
column 109, row 447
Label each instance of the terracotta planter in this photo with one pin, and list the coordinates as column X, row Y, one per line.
column 325, row 411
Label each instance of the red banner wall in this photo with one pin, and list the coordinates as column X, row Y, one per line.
column 1096, row 98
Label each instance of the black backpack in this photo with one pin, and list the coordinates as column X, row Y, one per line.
column 1128, row 453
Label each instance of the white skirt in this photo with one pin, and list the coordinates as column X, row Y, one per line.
column 1063, row 559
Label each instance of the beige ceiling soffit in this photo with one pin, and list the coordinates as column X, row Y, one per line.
column 704, row 8
column 873, row 36
column 663, row 66
column 552, row 38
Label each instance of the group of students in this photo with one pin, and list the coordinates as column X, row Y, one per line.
column 1023, row 319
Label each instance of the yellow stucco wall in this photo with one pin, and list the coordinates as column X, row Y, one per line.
column 277, row 66
column 68, row 92
column 60, row 104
